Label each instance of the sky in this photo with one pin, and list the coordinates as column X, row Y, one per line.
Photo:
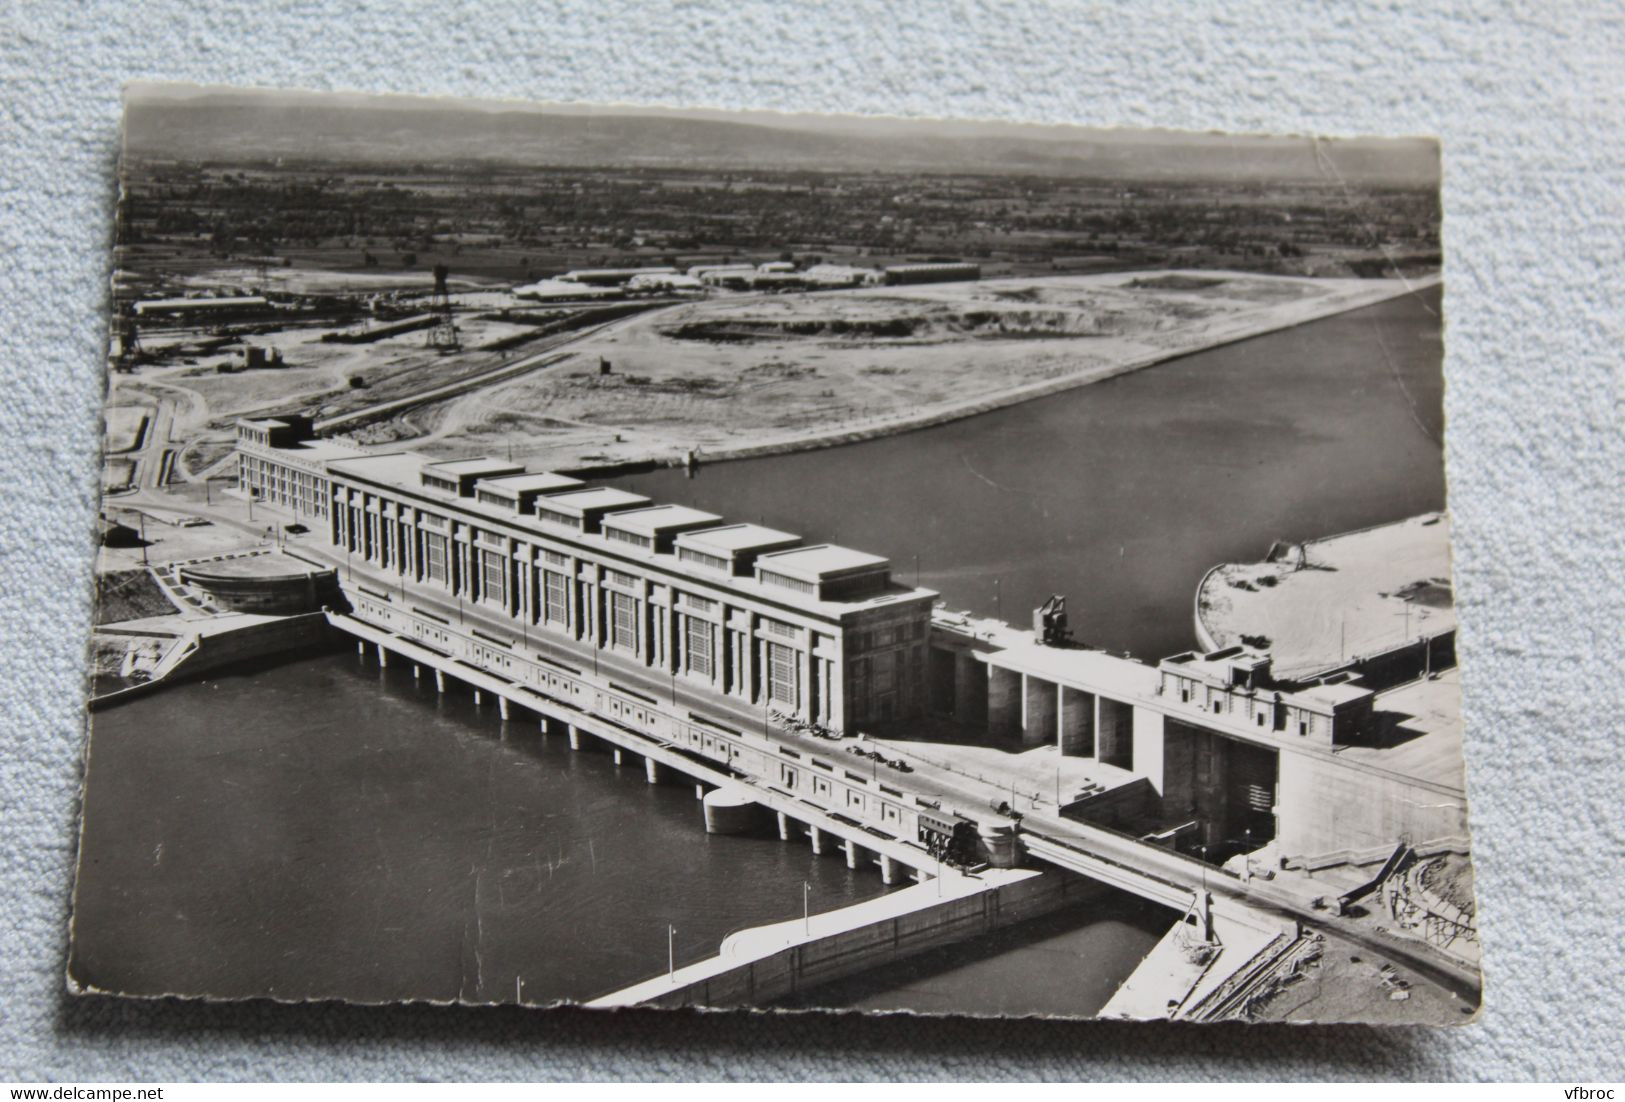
column 214, row 121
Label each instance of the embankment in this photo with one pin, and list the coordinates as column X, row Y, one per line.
column 905, row 420
column 760, row 966
column 203, row 651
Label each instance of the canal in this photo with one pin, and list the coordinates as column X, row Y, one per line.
column 1122, row 494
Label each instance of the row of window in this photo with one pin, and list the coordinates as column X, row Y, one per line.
column 715, row 562
column 782, row 673
column 632, row 538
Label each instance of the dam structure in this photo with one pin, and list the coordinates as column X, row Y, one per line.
column 804, row 681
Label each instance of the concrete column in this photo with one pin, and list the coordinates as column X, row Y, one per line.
column 600, row 617
column 699, row 792
column 502, row 707
column 816, row 836
column 651, row 770
column 1114, row 732
column 851, row 854
column 888, row 870
column 784, row 827
column 1004, row 701
column 439, row 681
column 478, row 699
column 361, row 647
column 383, row 656
column 804, row 693
column 417, row 671
column 837, row 697
column 620, row 756
column 1075, row 726
column 1147, row 742
column 575, row 736
column 1039, row 710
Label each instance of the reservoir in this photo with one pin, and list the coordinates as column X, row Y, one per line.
column 1122, row 494
column 321, row 828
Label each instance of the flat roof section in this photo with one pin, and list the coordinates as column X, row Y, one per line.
column 1334, row 695
column 821, row 561
column 199, row 303
column 319, row 450
column 1094, row 671
column 400, row 468
column 660, row 518
column 731, row 539
column 481, row 467
column 1218, row 664
column 1421, row 732
column 515, row 484
column 582, row 502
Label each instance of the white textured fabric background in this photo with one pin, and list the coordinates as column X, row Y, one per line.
column 1527, row 99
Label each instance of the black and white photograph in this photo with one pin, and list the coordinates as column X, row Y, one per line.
column 635, row 557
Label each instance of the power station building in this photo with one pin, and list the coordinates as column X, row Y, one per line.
column 815, row 631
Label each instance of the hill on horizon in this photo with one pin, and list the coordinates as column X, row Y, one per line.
column 261, row 126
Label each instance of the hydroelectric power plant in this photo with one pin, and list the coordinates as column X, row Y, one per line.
column 804, row 689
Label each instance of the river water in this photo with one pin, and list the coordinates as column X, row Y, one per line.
column 323, row 829
column 1122, row 494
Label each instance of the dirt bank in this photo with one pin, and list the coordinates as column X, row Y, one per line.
column 753, row 375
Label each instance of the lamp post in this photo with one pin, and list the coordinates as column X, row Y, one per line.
column 671, row 951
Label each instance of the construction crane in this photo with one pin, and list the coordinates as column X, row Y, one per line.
column 1049, row 622
column 443, row 335
column 129, row 343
